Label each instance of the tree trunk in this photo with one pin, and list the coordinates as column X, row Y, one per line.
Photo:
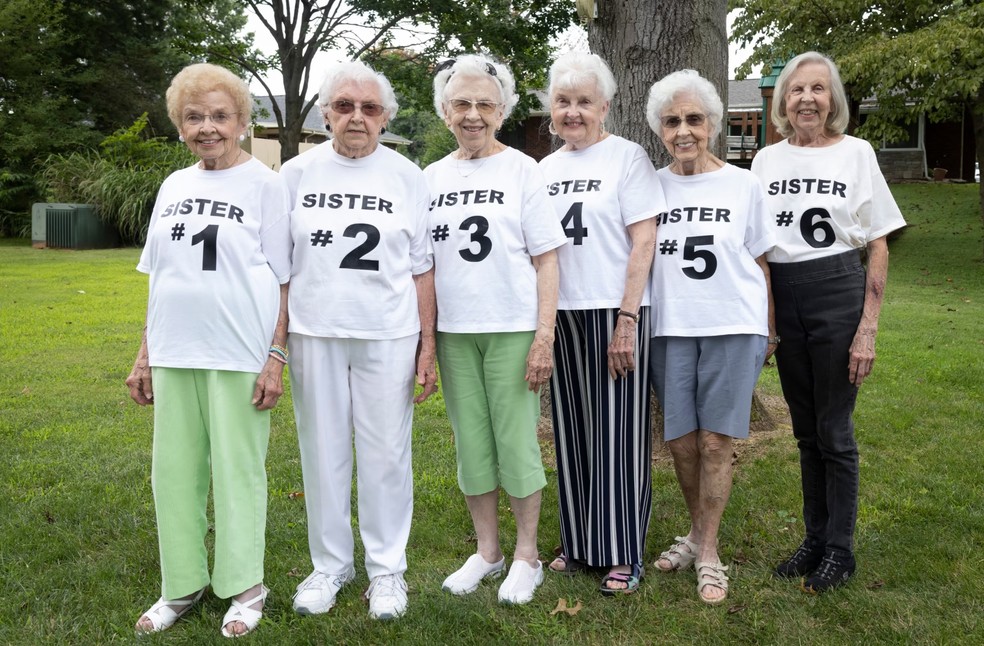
column 978, row 111
column 643, row 41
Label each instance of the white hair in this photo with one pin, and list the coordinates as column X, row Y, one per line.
column 475, row 66
column 578, row 68
column 839, row 115
column 684, row 83
column 359, row 73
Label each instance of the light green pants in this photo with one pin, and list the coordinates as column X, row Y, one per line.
column 203, row 419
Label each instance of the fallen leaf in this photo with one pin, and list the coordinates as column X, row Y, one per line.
column 562, row 607
column 874, row 585
column 735, row 609
column 295, row 494
column 295, row 573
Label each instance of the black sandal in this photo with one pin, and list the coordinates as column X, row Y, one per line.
column 571, row 566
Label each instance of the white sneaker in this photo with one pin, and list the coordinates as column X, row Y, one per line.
column 387, row 596
column 467, row 578
column 316, row 594
column 522, row 581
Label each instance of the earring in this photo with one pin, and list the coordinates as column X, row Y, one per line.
column 382, row 130
column 551, row 129
column 327, row 126
column 181, row 138
column 242, row 137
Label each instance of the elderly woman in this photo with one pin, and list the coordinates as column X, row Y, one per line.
column 712, row 315
column 829, row 200
column 605, row 190
column 212, row 355
column 495, row 240
column 361, row 326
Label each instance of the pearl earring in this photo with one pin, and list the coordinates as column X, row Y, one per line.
column 181, row 138
column 242, row 137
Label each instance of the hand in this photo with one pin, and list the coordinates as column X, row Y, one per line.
column 426, row 372
column 862, row 355
column 140, row 382
column 771, row 348
column 269, row 385
column 621, row 351
column 539, row 363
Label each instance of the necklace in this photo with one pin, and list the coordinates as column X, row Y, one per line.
column 235, row 161
column 474, row 170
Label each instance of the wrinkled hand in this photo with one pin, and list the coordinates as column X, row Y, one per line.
column 426, row 372
column 539, row 363
column 140, row 382
column 621, row 351
column 862, row 355
column 269, row 385
column 770, row 350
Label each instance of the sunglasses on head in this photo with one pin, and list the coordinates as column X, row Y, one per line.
column 344, row 106
column 450, row 63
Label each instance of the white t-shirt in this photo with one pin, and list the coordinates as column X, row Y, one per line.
column 824, row 201
column 217, row 249
column 488, row 217
column 598, row 192
column 360, row 235
column 705, row 278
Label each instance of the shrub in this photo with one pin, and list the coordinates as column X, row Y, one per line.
column 121, row 179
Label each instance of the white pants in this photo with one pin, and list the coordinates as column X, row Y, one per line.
column 367, row 385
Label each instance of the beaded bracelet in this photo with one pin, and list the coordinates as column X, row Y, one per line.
column 281, row 350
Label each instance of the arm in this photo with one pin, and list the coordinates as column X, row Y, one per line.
column 139, row 380
column 771, row 348
column 621, row 351
column 427, row 349
column 270, row 383
column 539, row 361
column 862, row 354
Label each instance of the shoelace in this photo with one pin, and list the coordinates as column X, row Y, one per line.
column 828, row 568
column 387, row 584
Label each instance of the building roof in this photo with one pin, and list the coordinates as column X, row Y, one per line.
column 744, row 96
column 313, row 124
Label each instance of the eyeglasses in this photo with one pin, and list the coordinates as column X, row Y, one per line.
column 450, row 63
column 693, row 120
column 464, row 105
column 347, row 107
column 219, row 118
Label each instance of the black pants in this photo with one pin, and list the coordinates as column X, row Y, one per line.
column 818, row 307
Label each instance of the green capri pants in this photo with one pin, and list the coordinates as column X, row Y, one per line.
column 492, row 411
column 204, row 422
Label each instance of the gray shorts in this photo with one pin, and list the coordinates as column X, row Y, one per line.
column 706, row 382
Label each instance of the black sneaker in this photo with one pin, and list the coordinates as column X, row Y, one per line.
column 834, row 571
column 804, row 560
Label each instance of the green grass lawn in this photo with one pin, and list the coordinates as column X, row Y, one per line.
column 78, row 550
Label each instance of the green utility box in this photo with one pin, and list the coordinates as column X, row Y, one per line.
column 70, row 226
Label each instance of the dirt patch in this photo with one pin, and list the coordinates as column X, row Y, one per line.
column 770, row 418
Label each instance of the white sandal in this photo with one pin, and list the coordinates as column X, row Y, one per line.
column 712, row 574
column 163, row 615
column 677, row 556
column 241, row 611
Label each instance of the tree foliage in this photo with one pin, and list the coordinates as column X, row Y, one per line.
column 518, row 31
column 912, row 55
column 72, row 73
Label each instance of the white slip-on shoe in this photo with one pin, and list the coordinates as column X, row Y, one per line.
column 387, row 596
column 316, row 594
column 467, row 578
column 522, row 581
